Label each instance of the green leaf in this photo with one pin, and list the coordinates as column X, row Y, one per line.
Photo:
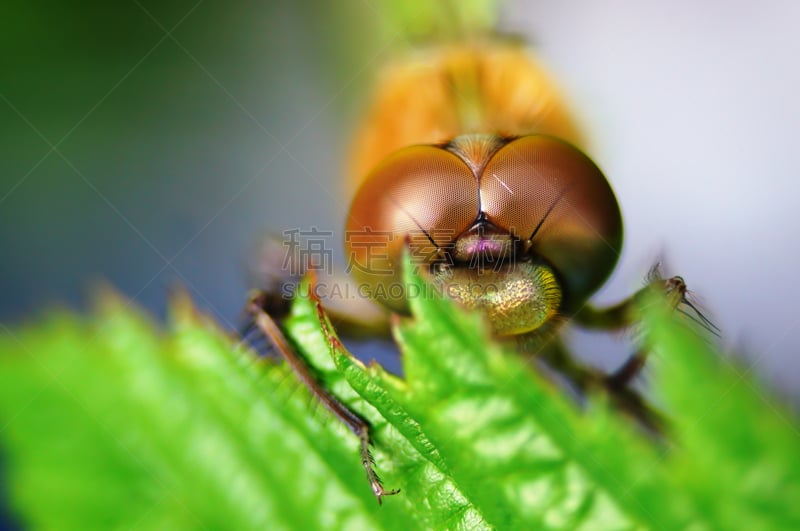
column 737, row 447
column 109, row 422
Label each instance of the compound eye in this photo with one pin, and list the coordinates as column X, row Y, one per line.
column 546, row 190
column 422, row 194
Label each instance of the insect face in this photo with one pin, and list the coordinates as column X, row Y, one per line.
column 522, row 228
column 497, row 207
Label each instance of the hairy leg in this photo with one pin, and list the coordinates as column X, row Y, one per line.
column 272, row 331
column 627, row 314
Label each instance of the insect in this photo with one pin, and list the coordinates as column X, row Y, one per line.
column 468, row 159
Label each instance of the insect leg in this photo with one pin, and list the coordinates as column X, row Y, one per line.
column 627, row 314
column 267, row 325
column 586, row 379
column 624, row 375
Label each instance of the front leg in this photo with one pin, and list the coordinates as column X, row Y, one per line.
column 272, row 331
column 627, row 314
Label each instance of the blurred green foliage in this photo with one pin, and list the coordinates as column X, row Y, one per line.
column 110, row 422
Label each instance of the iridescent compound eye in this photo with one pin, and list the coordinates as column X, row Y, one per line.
column 521, row 228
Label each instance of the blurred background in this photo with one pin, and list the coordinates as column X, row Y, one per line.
column 150, row 144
